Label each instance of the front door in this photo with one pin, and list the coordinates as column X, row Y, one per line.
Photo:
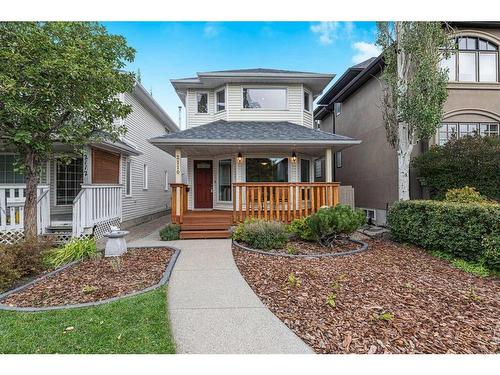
column 203, row 184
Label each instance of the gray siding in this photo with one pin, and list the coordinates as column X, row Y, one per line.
column 142, row 125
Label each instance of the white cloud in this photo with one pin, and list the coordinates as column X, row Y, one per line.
column 365, row 51
column 211, row 30
column 329, row 31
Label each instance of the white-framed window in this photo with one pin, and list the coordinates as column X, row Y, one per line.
column 145, row 177
column 337, row 108
column 202, row 102
column 220, row 100
column 265, row 98
column 473, row 60
column 128, row 177
column 69, row 179
column 338, row 159
column 449, row 130
column 166, row 181
column 307, row 101
column 224, row 180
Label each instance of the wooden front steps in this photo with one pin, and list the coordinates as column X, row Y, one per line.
column 206, row 224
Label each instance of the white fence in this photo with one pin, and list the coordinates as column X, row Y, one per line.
column 95, row 204
column 12, row 198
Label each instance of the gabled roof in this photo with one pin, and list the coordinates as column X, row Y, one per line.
column 347, row 84
column 209, row 80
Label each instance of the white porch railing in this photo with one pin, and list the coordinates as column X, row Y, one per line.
column 12, row 198
column 94, row 204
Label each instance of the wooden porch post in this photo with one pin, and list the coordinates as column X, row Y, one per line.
column 178, row 180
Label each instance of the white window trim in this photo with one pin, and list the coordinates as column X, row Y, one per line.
column 145, row 177
column 166, row 181
column 128, row 178
column 216, row 101
column 242, row 108
column 310, row 102
column 196, row 102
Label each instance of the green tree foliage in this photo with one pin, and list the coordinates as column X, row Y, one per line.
column 59, row 82
column 469, row 161
column 414, row 89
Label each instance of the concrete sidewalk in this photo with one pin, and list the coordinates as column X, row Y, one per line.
column 212, row 308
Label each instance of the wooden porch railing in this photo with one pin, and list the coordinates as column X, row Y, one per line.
column 281, row 201
column 179, row 202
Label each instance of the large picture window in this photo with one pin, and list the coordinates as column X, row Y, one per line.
column 458, row 130
column 474, row 60
column 69, row 178
column 225, row 180
column 268, row 98
column 267, row 170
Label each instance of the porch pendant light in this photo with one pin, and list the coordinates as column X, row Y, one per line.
column 294, row 157
column 240, row 157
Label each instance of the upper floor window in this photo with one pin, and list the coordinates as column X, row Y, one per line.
column 220, row 97
column 264, row 98
column 474, row 60
column 462, row 129
column 337, row 108
column 307, row 101
column 202, row 100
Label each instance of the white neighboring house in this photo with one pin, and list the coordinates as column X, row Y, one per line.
column 122, row 183
column 251, row 149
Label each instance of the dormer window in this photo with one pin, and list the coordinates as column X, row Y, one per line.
column 220, row 97
column 264, row 98
column 202, row 100
column 474, row 60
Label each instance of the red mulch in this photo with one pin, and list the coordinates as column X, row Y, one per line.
column 97, row 279
column 310, row 248
column 428, row 305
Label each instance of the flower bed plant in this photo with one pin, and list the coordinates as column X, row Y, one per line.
column 261, row 234
column 75, row 249
column 170, row 232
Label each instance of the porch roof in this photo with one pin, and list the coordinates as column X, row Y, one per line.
column 256, row 136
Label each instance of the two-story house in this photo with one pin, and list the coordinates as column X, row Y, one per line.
column 113, row 183
column 250, row 147
column 351, row 107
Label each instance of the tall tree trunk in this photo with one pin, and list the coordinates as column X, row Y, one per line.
column 405, row 147
column 30, row 205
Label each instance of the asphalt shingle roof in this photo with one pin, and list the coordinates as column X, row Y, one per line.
column 253, row 130
column 260, row 70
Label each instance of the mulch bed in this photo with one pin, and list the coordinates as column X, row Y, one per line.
column 311, row 248
column 97, row 279
column 392, row 298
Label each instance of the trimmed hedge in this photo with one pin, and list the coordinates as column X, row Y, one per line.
column 262, row 234
column 458, row 229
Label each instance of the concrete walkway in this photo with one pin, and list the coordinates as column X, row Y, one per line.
column 212, row 308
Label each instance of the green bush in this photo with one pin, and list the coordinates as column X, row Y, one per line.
column 75, row 249
column 170, row 232
column 454, row 228
column 464, row 195
column 261, row 234
column 491, row 246
column 467, row 161
column 24, row 258
column 337, row 220
column 299, row 228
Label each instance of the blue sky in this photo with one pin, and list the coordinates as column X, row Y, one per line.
column 166, row 50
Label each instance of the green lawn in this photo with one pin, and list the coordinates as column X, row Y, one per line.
column 132, row 325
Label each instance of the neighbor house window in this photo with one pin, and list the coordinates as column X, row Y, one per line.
column 225, row 180
column 268, row 98
column 305, row 170
column 69, row 178
column 145, row 176
column 221, row 100
column 202, row 101
column 338, row 158
column 128, row 177
column 448, row 131
column 337, row 108
column 267, row 169
column 8, row 174
column 474, row 60
column 166, row 180
column 307, row 101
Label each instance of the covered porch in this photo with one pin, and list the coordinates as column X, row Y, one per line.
column 269, row 170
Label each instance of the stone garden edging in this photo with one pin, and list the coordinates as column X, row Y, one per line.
column 163, row 281
column 364, row 247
